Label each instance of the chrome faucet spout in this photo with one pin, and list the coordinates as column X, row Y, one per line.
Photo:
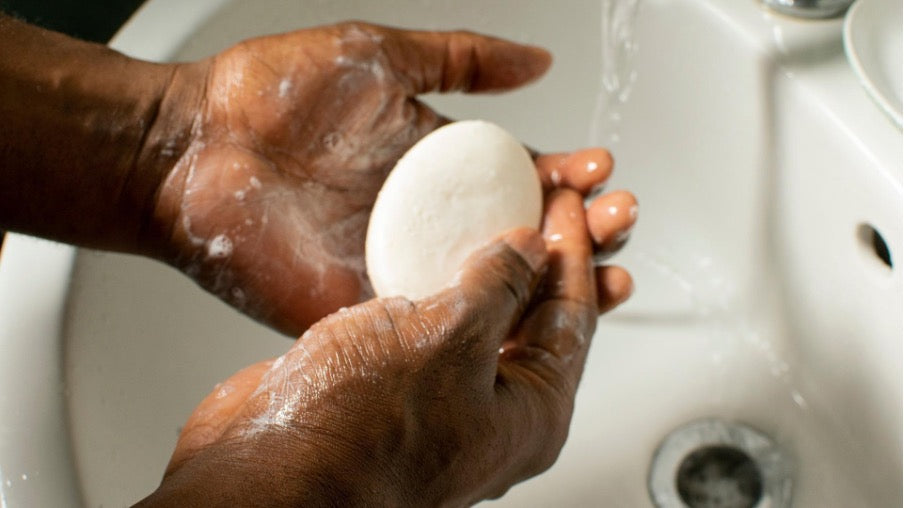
column 809, row 8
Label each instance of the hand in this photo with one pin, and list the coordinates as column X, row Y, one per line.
column 253, row 171
column 398, row 403
column 268, row 206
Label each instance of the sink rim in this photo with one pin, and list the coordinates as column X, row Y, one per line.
column 24, row 282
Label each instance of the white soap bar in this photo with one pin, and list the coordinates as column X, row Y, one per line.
column 452, row 192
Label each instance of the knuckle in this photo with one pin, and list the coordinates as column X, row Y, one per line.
column 548, row 455
column 507, row 268
column 554, row 420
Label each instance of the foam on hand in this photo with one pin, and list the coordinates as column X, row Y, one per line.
column 456, row 189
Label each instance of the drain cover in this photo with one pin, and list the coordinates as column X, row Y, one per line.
column 719, row 464
column 719, row 477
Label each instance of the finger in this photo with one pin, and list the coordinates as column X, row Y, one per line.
column 427, row 61
column 610, row 218
column 538, row 372
column 582, row 170
column 216, row 412
column 613, row 286
column 494, row 287
column 568, row 242
column 563, row 318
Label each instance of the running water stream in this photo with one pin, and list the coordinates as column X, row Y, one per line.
column 617, row 72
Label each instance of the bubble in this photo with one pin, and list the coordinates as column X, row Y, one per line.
column 219, row 247
column 284, row 86
column 224, row 390
column 331, row 140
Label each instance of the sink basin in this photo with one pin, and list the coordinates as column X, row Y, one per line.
column 767, row 264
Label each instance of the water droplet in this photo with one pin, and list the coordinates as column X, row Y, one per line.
column 799, row 399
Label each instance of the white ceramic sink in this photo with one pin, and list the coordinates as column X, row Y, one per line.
column 761, row 167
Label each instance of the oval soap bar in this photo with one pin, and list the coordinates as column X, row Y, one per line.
column 452, row 192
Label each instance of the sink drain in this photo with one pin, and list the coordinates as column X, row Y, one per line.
column 719, row 476
column 719, row 464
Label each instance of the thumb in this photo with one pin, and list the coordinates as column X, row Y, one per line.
column 494, row 287
column 462, row 61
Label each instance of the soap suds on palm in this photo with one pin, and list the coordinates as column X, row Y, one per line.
column 456, row 189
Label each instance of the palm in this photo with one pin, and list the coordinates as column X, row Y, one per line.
column 276, row 192
column 269, row 205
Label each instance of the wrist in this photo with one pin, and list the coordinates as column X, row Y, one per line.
column 211, row 479
column 171, row 129
column 76, row 117
column 273, row 469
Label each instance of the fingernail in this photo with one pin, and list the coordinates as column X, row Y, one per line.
column 529, row 245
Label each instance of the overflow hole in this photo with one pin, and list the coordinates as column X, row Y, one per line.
column 874, row 244
column 719, row 477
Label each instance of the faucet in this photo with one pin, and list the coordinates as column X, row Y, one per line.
column 809, row 8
